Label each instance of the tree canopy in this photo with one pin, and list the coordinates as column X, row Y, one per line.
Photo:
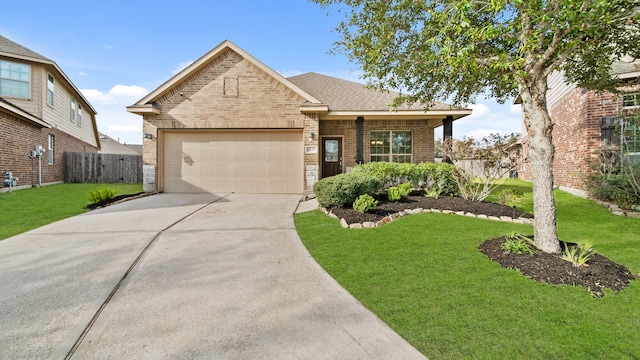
column 455, row 50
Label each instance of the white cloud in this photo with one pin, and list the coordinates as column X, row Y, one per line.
column 181, row 66
column 119, row 94
column 82, row 73
column 97, row 97
column 107, row 46
column 128, row 91
column 488, row 117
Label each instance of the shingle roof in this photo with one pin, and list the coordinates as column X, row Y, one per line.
column 10, row 47
column 344, row 95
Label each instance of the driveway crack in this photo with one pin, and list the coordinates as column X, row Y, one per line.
column 125, row 276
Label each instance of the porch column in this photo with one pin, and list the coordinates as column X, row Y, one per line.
column 447, row 136
column 360, row 140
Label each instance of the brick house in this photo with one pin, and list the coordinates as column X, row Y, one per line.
column 228, row 123
column 40, row 106
column 584, row 121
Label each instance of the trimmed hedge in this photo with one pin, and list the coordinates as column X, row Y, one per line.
column 424, row 176
column 343, row 189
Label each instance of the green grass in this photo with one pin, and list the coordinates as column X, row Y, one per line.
column 27, row 209
column 424, row 276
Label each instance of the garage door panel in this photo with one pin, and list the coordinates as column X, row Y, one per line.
column 233, row 161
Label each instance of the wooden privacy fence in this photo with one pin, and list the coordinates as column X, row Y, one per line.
column 102, row 168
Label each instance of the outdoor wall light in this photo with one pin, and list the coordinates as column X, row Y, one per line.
column 311, row 136
column 148, row 136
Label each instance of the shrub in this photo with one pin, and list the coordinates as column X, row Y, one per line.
column 423, row 176
column 510, row 197
column 339, row 190
column 393, row 194
column 519, row 244
column 365, row 203
column 101, row 195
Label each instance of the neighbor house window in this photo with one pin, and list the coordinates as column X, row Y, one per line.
column 51, row 143
column 630, row 136
column 79, row 115
column 50, row 88
column 73, row 109
column 15, row 79
column 631, row 100
column 392, row 146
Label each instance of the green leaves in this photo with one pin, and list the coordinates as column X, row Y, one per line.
column 454, row 50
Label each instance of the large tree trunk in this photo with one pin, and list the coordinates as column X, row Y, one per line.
column 541, row 153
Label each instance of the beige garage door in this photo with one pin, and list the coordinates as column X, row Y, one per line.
column 256, row 162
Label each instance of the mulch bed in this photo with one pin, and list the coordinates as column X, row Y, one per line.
column 600, row 273
column 112, row 201
column 454, row 203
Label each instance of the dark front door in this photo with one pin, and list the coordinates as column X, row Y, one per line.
column 331, row 156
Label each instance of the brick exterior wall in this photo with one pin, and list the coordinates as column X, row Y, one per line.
column 18, row 139
column 577, row 135
column 422, row 137
column 228, row 93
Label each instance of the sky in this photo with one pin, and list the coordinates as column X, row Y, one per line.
column 116, row 52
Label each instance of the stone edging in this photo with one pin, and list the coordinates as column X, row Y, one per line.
column 616, row 210
column 392, row 217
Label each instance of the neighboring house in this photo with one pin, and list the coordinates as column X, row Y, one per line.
column 109, row 145
column 228, row 123
column 40, row 107
column 584, row 121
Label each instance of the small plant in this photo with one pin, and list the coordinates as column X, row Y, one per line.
column 433, row 192
column 510, row 197
column 519, row 244
column 365, row 203
column 101, row 195
column 405, row 189
column 578, row 254
column 394, row 193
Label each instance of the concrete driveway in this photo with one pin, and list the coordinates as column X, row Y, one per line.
column 180, row 276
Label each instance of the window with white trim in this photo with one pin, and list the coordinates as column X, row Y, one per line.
column 79, row 115
column 15, row 79
column 50, row 88
column 631, row 100
column 392, row 146
column 74, row 106
column 50, row 149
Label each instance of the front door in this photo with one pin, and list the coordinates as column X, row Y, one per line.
column 331, row 156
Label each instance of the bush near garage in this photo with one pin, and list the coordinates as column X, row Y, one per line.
column 343, row 189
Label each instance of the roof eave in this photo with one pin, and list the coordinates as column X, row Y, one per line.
column 24, row 115
column 143, row 109
column 395, row 115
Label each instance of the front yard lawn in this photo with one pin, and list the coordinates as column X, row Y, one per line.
column 27, row 209
column 424, row 276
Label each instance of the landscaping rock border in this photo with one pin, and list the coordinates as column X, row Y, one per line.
column 616, row 210
column 392, row 217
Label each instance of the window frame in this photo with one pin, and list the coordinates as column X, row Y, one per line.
column 635, row 102
column 74, row 106
column 18, row 80
column 390, row 155
column 50, row 149
column 79, row 117
column 51, row 87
